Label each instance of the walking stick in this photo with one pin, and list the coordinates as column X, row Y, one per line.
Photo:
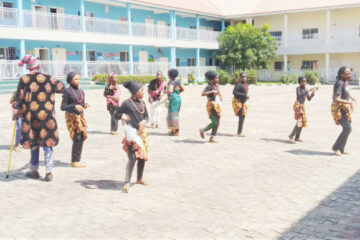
column 11, row 149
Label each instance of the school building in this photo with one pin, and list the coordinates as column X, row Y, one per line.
column 139, row 37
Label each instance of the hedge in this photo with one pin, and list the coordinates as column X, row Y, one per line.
column 145, row 79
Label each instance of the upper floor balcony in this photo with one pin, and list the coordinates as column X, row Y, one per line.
column 9, row 17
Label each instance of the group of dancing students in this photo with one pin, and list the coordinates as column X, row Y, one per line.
column 33, row 105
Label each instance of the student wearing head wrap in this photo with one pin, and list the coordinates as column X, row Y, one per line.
column 112, row 93
column 213, row 107
column 156, row 90
column 300, row 115
column 174, row 89
column 239, row 105
column 73, row 104
column 134, row 114
column 35, row 100
column 341, row 108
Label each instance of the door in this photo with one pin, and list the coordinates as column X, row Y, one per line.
column 143, row 56
column 91, row 56
column 202, row 61
column 56, row 18
column 42, row 54
column 59, row 57
column 149, row 28
column 39, row 17
column 161, row 29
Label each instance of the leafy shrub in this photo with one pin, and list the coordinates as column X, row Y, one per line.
column 191, row 78
column 121, row 79
column 289, row 78
column 224, row 77
column 312, row 77
column 251, row 76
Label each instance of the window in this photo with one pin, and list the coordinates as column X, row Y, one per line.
column 11, row 53
column 124, row 57
column 279, row 66
column 312, row 64
column 91, row 56
column 89, row 19
column 191, row 62
column 6, row 13
column 2, row 53
column 311, row 33
column 276, row 35
column 178, row 63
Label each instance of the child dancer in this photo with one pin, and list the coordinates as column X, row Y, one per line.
column 112, row 94
column 134, row 113
column 74, row 104
column 240, row 107
column 300, row 116
column 213, row 107
column 156, row 90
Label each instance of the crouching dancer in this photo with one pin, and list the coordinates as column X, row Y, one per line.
column 134, row 114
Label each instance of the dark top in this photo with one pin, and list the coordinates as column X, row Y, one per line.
column 240, row 91
column 128, row 109
column 110, row 90
column 176, row 83
column 341, row 88
column 302, row 94
column 70, row 101
column 153, row 86
column 209, row 88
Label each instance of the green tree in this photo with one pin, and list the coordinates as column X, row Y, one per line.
column 245, row 46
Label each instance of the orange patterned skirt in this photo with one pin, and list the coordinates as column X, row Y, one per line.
column 300, row 114
column 140, row 153
column 213, row 105
column 336, row 108
column 76, row 124
column 237, row 106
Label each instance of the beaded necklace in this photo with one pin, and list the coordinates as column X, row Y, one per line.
column 81, row 94
column 143, row 107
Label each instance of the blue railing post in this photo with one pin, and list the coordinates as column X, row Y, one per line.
column 20, row 14
column 173, row 57
column 197, row 28
column 82, row 15
column 198, row 64
column 173, row 24
column 131, row 60
column 222, row 25
column 22, row 54
column 128, row 9
column 84, row 61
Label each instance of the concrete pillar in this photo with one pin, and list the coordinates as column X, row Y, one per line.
column 285, row 63
column 285, row 32
column 131, row 60
column 222, row 25
column 128, row 9
column 82, row 15
column 20, row 13
column 173, row 24
column 328, row 27
column 198, row 64
column 327, row 67
column 22, row 54
column 197, row 27
column 84, row 61
column 173, row 57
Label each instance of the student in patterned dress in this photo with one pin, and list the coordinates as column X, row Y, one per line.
column 341, row 108
column 73, row 104
column 112, row 93
column 240, row 107
column 213, row 107
column 35, row 101
column 174, row 89
column 134, row 114
column 299, row 108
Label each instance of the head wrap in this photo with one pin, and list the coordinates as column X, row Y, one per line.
column 210, row 75
column 70, row 77
column 31, row 62
column 112, row 78
column 173, row 73
column 133, row 87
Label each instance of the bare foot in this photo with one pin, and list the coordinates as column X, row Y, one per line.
column 126, row 187
column 211, row 140
column 77, row 165
column 241, row 135
column 337, row 153
column 202, row 134
column 17, row 149
column 346, row 153
column 298, row 140
column 141, row 182
column 113, row 133
column 291, row 140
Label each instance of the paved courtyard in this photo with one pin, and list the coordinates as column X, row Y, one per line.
column 258, row 187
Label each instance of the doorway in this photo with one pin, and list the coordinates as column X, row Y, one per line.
column 143, row 56
column 56, row 18
column 42, row 54
column 39, row 18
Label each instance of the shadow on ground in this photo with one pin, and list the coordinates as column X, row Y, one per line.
column 336, row 217
column 101, row 184
column 309, row 152
column 189, row 140
column 98, row 132
column 276, row 140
